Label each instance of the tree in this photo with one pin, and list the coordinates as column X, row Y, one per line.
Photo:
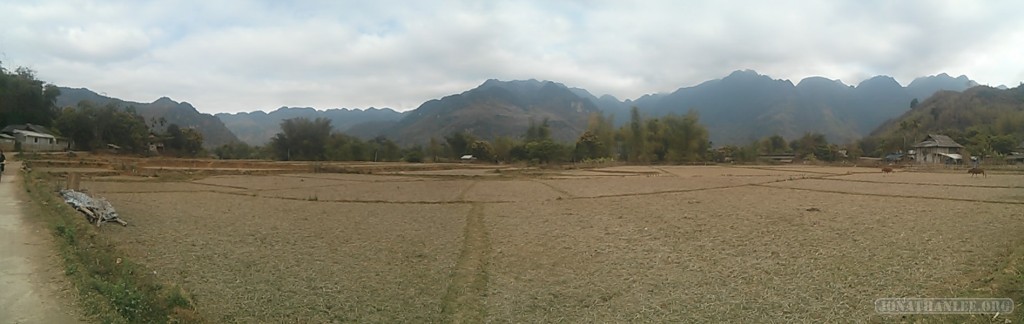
column 302, row 139
column 503, row 148
column 341, row 147
column 775, row 144
column 813, row 144
column 434, row 149
column 588, row 146
column 634, row 136
column 604, row 132
column 193, row 142
column 545, row 151
column 236, row 150
column 384, row 149
column 25, row 99
column 1003, row 144
column 175, row 137
column 537, row 133
column 685, row 140
column 413, row 154
column 913, row 103
column 482, row 150
column 459, row 143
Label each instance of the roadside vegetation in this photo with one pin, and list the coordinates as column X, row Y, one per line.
column 111, row 289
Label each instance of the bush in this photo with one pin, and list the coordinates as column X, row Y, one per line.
column 413, row 156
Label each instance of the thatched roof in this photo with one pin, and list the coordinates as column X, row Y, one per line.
column 934, row 140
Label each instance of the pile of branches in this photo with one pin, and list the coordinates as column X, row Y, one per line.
column 96, row 210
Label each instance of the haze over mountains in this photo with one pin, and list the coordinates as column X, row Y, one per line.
column 736, row 109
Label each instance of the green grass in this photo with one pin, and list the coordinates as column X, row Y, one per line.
column 111, row 289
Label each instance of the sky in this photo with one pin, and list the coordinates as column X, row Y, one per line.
column 232, row 56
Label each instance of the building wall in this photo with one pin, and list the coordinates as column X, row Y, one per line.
column 39, row 144
column 931, row 154
column 7, row 145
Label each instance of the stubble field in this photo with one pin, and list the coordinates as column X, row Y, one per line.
column 664, row 244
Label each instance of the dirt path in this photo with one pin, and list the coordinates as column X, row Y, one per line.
column 464, row 301
column 29, row 269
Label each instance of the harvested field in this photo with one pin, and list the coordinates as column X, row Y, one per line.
column 650, row 244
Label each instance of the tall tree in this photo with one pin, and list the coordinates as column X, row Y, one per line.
column 25, row 99
column 302, row 139
column 603, row 130
column 434, row 149
column 635, row 138
column 538, row 132
column 503, row 148
column 459, row 143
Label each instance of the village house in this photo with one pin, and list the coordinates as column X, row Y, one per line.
column 1017, row 156
column 31, row 138
column 938, row 149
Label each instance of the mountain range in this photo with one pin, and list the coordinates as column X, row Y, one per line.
column 182, row 114
column 745, row 106
column 736, row 109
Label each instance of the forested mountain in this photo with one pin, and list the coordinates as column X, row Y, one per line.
column 497, row 108
column 257, row 127
column 988, row 121
column 182, row 114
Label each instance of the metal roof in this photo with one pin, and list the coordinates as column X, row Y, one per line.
column 33, row 134
column 27, row 127
column 934, row 140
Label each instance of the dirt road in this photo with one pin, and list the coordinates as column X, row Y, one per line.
column 33, row 287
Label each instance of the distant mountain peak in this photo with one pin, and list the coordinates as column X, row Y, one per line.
column 747, row 72
column 879, row 81
column 943, row 78
column 819, row 81
column 165, row 101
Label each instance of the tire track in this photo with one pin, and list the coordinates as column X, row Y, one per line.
column 465, row 300
column 557, row 189
column 462, row 195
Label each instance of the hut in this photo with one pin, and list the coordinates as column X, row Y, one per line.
column 938, row 149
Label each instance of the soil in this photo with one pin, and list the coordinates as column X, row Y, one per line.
column 633, row 243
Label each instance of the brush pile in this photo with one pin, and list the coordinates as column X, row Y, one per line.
column 96, row 210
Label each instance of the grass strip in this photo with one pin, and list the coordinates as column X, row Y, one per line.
column 111, row 289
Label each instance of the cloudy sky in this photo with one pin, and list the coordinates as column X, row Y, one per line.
column 228, row 56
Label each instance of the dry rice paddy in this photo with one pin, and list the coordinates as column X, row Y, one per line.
column 652, row 244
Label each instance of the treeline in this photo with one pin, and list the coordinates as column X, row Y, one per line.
column 809, row 147
column 668, row 139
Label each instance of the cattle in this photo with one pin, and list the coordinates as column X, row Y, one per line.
column 977, row 171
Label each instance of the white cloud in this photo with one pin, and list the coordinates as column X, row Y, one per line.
column 247, row 55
